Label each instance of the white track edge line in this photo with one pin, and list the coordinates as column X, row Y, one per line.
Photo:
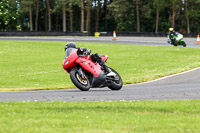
column 164, row 77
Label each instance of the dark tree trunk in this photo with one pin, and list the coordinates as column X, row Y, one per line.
column 64, row 17
column 187, row 18
column 106, row 11
column 36, row 17
column 71, row 19
column 157, row 21
column 188, row 24
column 49, row 14
column 138, row 15
column 97, row 16
column 30, row 18
column 57, row 21
column 46, row 20
column 82, row 15
column 88, row 15
column 173, row 18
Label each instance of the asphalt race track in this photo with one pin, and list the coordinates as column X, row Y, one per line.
column 161, row 41
column 175, row 87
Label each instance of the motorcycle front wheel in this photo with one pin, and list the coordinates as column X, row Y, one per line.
column 81, row 83
column 116, row 85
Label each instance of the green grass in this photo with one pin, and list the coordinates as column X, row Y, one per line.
column 101, row 117
column 26, row 65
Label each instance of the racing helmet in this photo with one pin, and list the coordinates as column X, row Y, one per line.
column 171, row 29
column 70, row 45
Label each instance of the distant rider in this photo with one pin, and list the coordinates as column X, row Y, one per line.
column 171, row 34
column 71, row 46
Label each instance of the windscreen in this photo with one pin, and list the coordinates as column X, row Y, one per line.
column 68, row 52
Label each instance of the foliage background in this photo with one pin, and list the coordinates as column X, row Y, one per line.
column 120, row 15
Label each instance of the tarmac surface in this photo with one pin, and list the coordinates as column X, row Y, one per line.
column 181, row 86
column 176, row 87
column 161, row 41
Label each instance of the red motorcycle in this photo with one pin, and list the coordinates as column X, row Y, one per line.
column 86, row 74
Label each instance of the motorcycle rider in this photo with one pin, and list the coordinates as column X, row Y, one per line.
column 171, row 34
column 69, row 47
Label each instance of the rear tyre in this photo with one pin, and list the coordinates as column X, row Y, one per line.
column 174, row 44
column 81, row 83
column 184, row 44
column 116, row 85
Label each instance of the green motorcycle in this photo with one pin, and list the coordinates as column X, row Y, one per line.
column 176, row 40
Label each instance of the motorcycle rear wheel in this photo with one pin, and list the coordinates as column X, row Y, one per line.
column 184, row 44
column 82, row 84
column 116, row 85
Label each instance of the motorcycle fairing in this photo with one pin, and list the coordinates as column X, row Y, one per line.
column 104, row 57
column 69, row 62
column 90, row 66
column 178, row 37
column 99, row 81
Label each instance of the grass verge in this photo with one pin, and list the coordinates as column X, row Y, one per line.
column 29, row 65
column 98, row 117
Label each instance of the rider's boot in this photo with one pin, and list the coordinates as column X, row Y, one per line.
column 108, row 72
column 106, row 69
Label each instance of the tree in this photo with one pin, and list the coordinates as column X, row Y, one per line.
column 82, row 15
column 71, row 18
column 100, row 15
column 97, row 16
column 105, row 14
column 62, row 4
column 187, row 16
column 8, row 15
column 191, row 12
column 193, row 15
column 175, row 6
column 64, row 17
column 49, row 14
column 67, row 6
column 138, row 15
column 88, row 15
column 36, row 16
column 124, row 14
column 71, row 4
column 30, row 17
column 26, row 6
column 158, row 4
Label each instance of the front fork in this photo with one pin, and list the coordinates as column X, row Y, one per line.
column 80, row 72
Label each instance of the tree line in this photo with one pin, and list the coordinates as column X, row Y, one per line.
column 100, row 15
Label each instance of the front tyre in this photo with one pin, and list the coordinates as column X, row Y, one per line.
column 81, row 83
column 184, row 44
column 116, row 84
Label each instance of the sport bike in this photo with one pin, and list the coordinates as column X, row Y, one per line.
column 176, row 40
column 86, row 73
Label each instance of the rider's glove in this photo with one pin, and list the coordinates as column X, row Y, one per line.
column 80, row 50
column 88, row 51
column 83, row 51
